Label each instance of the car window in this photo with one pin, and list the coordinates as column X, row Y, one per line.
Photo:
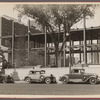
column 31, row 72
column 76, row 71
column 42, row 72
column 82, row 71
column 37, row 73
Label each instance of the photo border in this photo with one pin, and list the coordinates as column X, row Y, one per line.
column 42, row 97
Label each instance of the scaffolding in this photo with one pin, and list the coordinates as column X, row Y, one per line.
column 84, row 42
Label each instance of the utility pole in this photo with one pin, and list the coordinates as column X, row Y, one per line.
column 45, row 47
column 70, row 62
column 84, row 37
column 28, row 42
column 64, row 51
column 13, row 44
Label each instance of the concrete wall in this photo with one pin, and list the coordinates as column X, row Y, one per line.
column 20, row 73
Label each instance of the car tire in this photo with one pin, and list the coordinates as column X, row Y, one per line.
column 93, row 80
column 47, row 80
column 54, row 80
column 64, row 80
column 12, row 80
column 27, row 80
column 4, row 80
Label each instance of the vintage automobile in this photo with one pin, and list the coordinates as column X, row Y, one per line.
column 39, row 76
column 79, row 75
column 6, row 78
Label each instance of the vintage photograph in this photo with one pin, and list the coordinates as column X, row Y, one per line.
column 50, row 49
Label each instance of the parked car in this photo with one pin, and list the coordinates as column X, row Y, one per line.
column 79, row 75
column 39, row 76
column 6, row 78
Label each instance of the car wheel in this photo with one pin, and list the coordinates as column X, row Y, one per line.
column 65, row 80
column 4, row 80
column 47, row 80
column 54, row 80
column 93, row 80
column 27, row 80
column 12, row 80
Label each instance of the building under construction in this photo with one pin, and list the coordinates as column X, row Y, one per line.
column 27, row 46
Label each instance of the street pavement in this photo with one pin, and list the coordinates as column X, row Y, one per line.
column 22, row 88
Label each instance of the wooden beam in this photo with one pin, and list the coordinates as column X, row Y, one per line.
column 84, row 37
column 45, row 47
column 28, row 42
column 2, row 37
column 13, row 44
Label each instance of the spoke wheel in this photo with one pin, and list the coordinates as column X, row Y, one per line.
column 27, row 80
column 12, row 80
column 48, row 80
column 4, row 80
column 65, row 80
column 93, row 80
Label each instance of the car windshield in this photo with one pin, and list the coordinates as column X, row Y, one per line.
column 78, row 71
column 31, row 72
column 42, row 72
column 82, row 70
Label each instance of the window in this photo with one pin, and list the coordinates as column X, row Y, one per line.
column 76, row 71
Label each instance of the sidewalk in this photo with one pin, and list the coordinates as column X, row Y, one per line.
column 19, row 81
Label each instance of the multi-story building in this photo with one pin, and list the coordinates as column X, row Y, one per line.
column 29, row 46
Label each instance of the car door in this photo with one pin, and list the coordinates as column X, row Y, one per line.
column 37, row 75
column 32, row 75
column 75, row 75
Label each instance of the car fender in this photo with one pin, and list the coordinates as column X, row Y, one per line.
column 92, row 77
column 87, row 78
column 42, row 78
column 65, row 77
column 27, row 77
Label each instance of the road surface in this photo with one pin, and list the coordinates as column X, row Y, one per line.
column 49, row 89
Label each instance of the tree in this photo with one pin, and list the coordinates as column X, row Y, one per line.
column 57, row 17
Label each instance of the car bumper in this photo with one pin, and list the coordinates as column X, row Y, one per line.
column 98, row 79
column 54, row 80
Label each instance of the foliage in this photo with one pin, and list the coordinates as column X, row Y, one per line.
column 57, row 17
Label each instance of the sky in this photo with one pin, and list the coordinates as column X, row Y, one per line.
column 7, row 9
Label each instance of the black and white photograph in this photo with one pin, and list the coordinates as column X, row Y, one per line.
column 50, row 49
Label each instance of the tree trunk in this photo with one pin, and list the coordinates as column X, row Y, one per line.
column 56, row 55
column 59, row 60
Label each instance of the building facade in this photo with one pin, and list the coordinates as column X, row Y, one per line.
column 27, row 46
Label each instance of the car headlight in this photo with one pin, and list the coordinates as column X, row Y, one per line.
column 41, row 77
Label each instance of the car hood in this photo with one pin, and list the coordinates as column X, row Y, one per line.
column 90, row 74
column 46, row 74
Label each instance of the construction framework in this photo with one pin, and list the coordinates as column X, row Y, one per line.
column 85, row 43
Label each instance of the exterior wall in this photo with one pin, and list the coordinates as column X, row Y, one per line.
column 21, row 55
column 20, row 73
